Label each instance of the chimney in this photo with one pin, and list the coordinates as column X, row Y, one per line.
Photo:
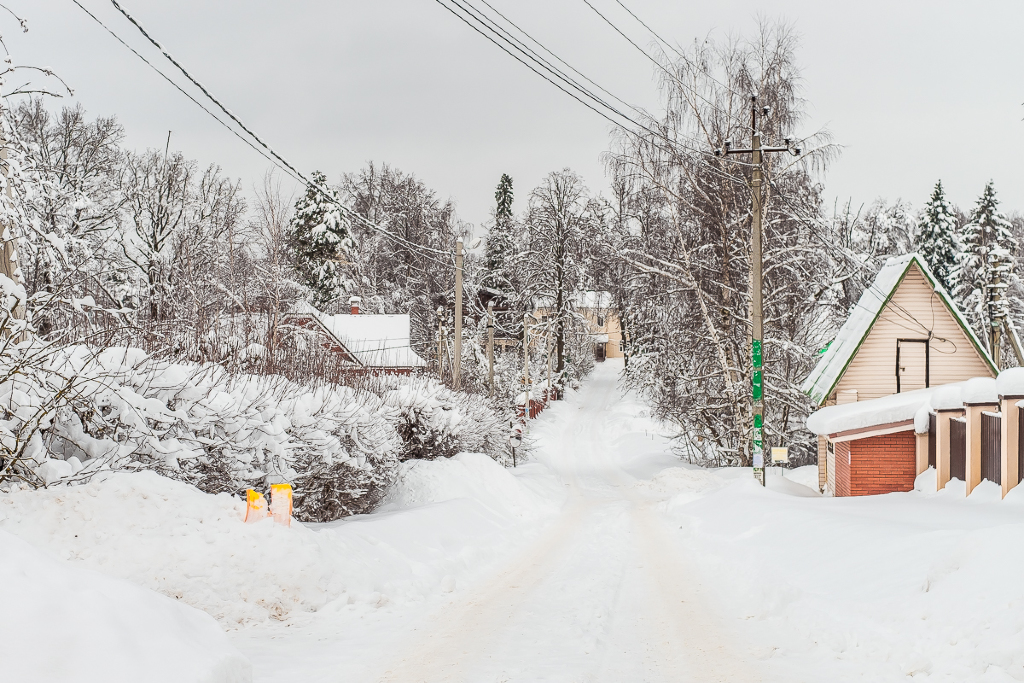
column 353, row 301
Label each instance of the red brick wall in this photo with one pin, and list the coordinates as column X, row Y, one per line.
column 842, row 475
column 880, row 464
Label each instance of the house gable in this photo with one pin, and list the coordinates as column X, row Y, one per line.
column 904, row 302
column 914, row 310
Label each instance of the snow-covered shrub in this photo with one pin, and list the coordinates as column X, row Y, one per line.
column 78, row 411
column 437, row 422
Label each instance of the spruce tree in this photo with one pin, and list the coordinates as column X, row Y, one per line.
column 986, row 244
column 936, row 238
column 320, row 239
column 501, row 239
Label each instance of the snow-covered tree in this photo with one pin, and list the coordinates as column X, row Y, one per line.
column 936, row 237
column 321, row 241
column 986, row 248
column 561, row 226
column 501, row 240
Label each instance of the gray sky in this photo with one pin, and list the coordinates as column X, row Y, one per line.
column 914, row 90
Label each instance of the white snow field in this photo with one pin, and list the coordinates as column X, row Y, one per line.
column 603, row 559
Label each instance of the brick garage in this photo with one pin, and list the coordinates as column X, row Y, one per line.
column 882, row 463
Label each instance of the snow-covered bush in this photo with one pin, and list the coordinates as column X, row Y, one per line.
column 437, row 422
column 79, row 411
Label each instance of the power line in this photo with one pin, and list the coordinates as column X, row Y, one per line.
column 186, row 93
column 282, row 160
column 673, row 48
column 647, row 55
column 484, row 28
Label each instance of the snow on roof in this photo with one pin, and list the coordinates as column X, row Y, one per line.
column 915, row 405
column 833, row 363
column 1010, row 382
column 594, row 299
column 980, row 390
column 864, row 414
column 375, row 341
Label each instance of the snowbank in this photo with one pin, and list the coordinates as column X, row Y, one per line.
column 62, row 623
column 472, row 476
column 877, row 588
column 195, row 547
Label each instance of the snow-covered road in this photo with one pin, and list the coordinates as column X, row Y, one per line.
column 604, row 558
column 606, row 594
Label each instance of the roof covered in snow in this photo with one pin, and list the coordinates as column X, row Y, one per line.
column 878, row 411
column 594, row 299
column 836, row 359
column 589, row 299
column 374, row 341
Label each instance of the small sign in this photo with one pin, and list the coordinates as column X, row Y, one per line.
column 780, row 454
column 515, row 438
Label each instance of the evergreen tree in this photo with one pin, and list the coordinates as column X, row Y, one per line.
column 501, row 240
column 986, row 246
column 320, row 240
column 936, row 238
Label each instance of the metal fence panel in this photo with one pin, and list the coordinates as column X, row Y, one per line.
column 991, row 447
column 958, row 448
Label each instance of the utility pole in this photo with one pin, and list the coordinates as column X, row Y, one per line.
column 526, row 366
column 8, row 251
column 547, row 391
column 756, row 266
column 996, row 307
column 440, row 356
column 490, row 349
column 457, row 363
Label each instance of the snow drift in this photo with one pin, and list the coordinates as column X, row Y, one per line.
column 66, row 624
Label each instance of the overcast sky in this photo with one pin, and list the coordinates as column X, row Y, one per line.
column 914, row 91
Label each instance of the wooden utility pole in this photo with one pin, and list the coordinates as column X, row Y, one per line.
column 547, row 391
column 440, row 355
column 8, row 252
column 756, row 265
column 526, row 365
column 490, row 349
column 996, row 308
column 457, row 363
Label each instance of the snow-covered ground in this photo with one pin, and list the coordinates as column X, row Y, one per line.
column 603, row 559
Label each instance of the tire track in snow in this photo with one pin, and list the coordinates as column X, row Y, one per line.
column 464, row 627
column 690, row 638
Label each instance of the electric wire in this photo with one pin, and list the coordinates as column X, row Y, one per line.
column 673, row 48
column 327, row 195
column 187, row 94
column 469, row 19
column 647, row 55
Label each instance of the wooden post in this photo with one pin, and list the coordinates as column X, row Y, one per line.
column 440, row 354
column 490, row 349
column 921, row 443
column 942, row 418
column 1009, row 474
column 973, row 469
column 526, row 366
column 8, row 250
column 457, row 361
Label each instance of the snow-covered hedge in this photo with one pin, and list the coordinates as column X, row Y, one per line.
column 69, row 414
column 437, row 422
column 81, row 411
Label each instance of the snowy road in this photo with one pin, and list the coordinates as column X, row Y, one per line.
column 605, row 594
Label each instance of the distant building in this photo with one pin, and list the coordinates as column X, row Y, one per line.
column 370, row 343
column 905, row 334
column 602, row 319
